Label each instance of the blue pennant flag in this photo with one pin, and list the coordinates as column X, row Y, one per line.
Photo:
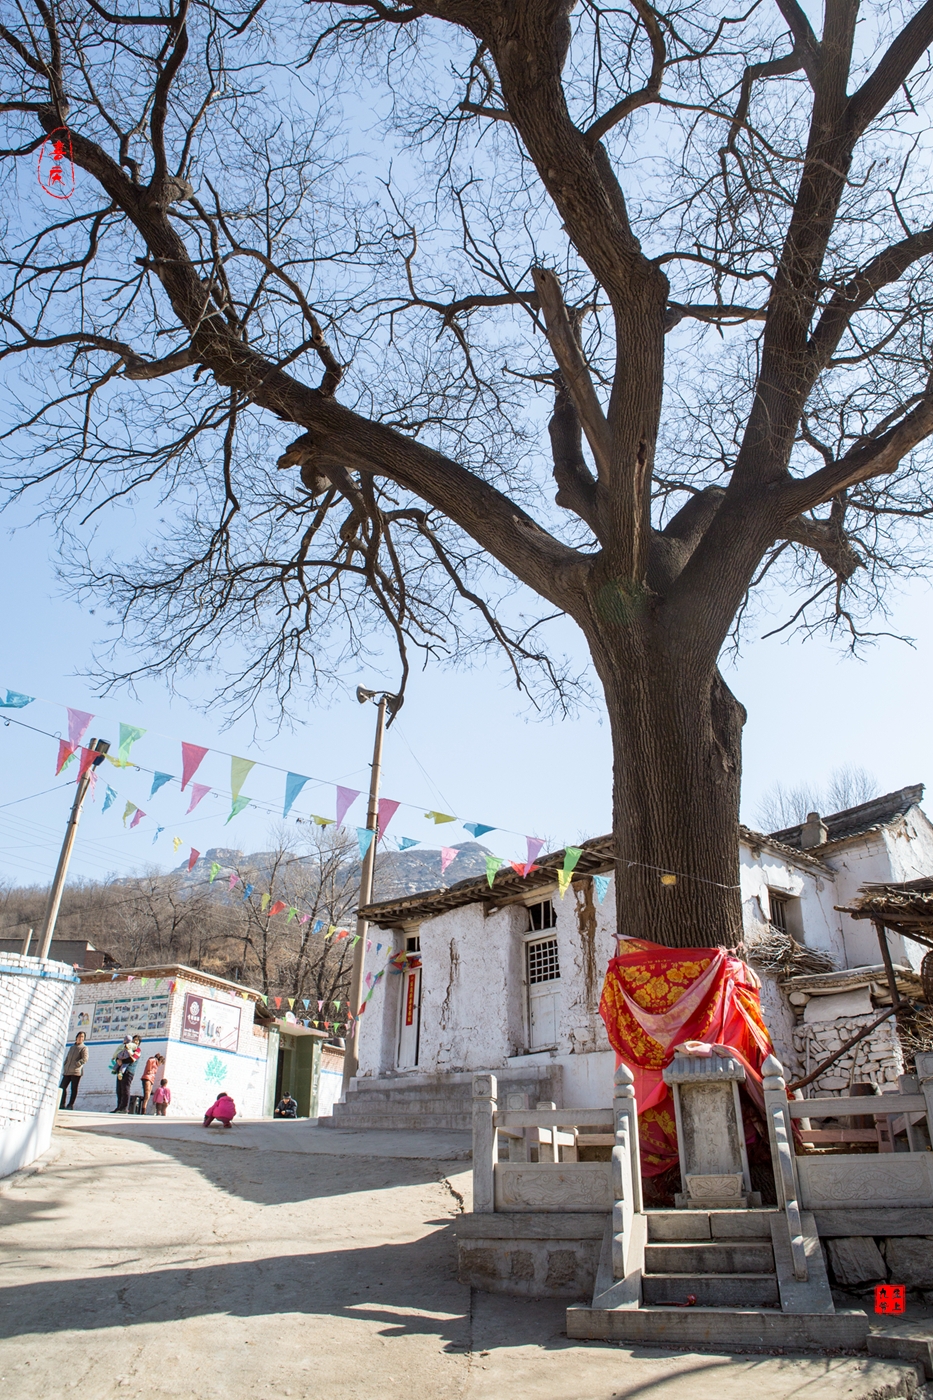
column 159, row 830
column 294, row 782
column 15, row 701
column 405, row 841
column 365, row 837
column 477, row 828
column 247, row 891
column 110, row 798
column 159, row 780
column 601, row 883
column 318, row 925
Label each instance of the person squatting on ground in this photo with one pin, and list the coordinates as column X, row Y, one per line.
column 162, row 1098
column 153, row 1065
column 286, row 1107
column 123, row 1065
column 72, row 1070
column 223, row 1109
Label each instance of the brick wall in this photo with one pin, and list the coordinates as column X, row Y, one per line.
column 34, row 1015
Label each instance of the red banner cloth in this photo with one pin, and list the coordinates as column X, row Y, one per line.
column 655, row 998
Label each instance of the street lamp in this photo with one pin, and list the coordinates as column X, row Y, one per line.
column 390, row 704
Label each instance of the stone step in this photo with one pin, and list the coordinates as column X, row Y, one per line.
column 744, row 1329
column 698, row 1225
column 399, row 1122
column 712, row 1290
column 371, row 1104
column 715, row 1257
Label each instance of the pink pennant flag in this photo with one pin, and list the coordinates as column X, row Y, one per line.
column 198, row 791
column 320, row 1006
column 193, row 858
column 233, row 879
column 65, row 751
column 387, row 810
column 78, row 722
column 137, row 817
column 448, row 854
column 192, row 755
column 534, row 847
column 87, row 758
column 345, row 800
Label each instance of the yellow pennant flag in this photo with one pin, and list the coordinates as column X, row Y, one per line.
column 239, row 772
column 322, row 821
column 176, row 842
column 563, row 880
column 291, row 1002
column 438, row 817
column 264, row 902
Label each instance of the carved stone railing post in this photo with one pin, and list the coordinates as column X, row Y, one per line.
column 924, row 1066
column 626, row 1168
column 485, row 1143
column 783, row 1160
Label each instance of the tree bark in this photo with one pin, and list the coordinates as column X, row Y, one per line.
column 677, row 741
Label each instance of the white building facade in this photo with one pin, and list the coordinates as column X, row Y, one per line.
column 510, row 976
column 204, row 1026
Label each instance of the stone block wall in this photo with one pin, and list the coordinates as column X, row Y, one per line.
column 35, row 1006
column 878, row 1058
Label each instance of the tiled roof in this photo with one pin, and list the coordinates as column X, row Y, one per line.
column 855, row 821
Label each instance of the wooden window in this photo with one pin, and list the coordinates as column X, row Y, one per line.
column 778, row 904
column 542, row 916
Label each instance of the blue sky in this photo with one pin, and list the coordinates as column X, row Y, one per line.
column 464, row 742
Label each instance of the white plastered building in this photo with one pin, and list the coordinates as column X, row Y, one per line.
column 508, row 978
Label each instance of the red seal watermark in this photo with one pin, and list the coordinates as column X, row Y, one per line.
column 56, row 164
column 890, row 1297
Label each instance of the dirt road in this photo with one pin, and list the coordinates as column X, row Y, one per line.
column 282, row 1260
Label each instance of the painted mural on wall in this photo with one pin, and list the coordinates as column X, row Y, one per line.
column 112, row 1020
column 209, row 1022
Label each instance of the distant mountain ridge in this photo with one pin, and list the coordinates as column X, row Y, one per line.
column 398, row 873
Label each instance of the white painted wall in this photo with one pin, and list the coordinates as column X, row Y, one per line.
column 35, row 1006
column 901, row 851
column 195, row 1073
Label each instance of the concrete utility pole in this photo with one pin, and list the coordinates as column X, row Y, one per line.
column 388, row 703
column 71, row 831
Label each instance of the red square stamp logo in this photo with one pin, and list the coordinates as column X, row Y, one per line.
column 890, row 1297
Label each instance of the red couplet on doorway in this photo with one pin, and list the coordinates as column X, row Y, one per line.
column 890, row 1297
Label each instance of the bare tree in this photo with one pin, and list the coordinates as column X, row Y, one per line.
column 703, row 238
column 784, row 805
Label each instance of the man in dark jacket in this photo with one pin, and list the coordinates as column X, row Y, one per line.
column 286, row 1107
column 72, row 1070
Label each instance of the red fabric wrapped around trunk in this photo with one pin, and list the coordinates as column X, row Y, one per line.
column 655, row 998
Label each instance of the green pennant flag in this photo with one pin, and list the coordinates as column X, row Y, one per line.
column 128, row 810
column 215, row 871
column 291, row 914
column 128, row 736
column 238, row 804
column 492, row 865
column 264, row 997
column 571, row 855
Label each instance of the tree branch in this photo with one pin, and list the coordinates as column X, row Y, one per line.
column 649, row 92
column 573, row 367
column 893, row 70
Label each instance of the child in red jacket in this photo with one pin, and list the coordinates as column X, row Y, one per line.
column 223, row 1109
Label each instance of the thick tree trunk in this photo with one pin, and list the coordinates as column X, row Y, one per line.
column 676, row 731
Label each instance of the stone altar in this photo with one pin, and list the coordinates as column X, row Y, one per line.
column 710, row 1137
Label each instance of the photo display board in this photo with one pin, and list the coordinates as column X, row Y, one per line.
column 145, row 1016
column 209, row 1022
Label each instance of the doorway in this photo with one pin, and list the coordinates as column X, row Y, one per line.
column 410, row 1019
